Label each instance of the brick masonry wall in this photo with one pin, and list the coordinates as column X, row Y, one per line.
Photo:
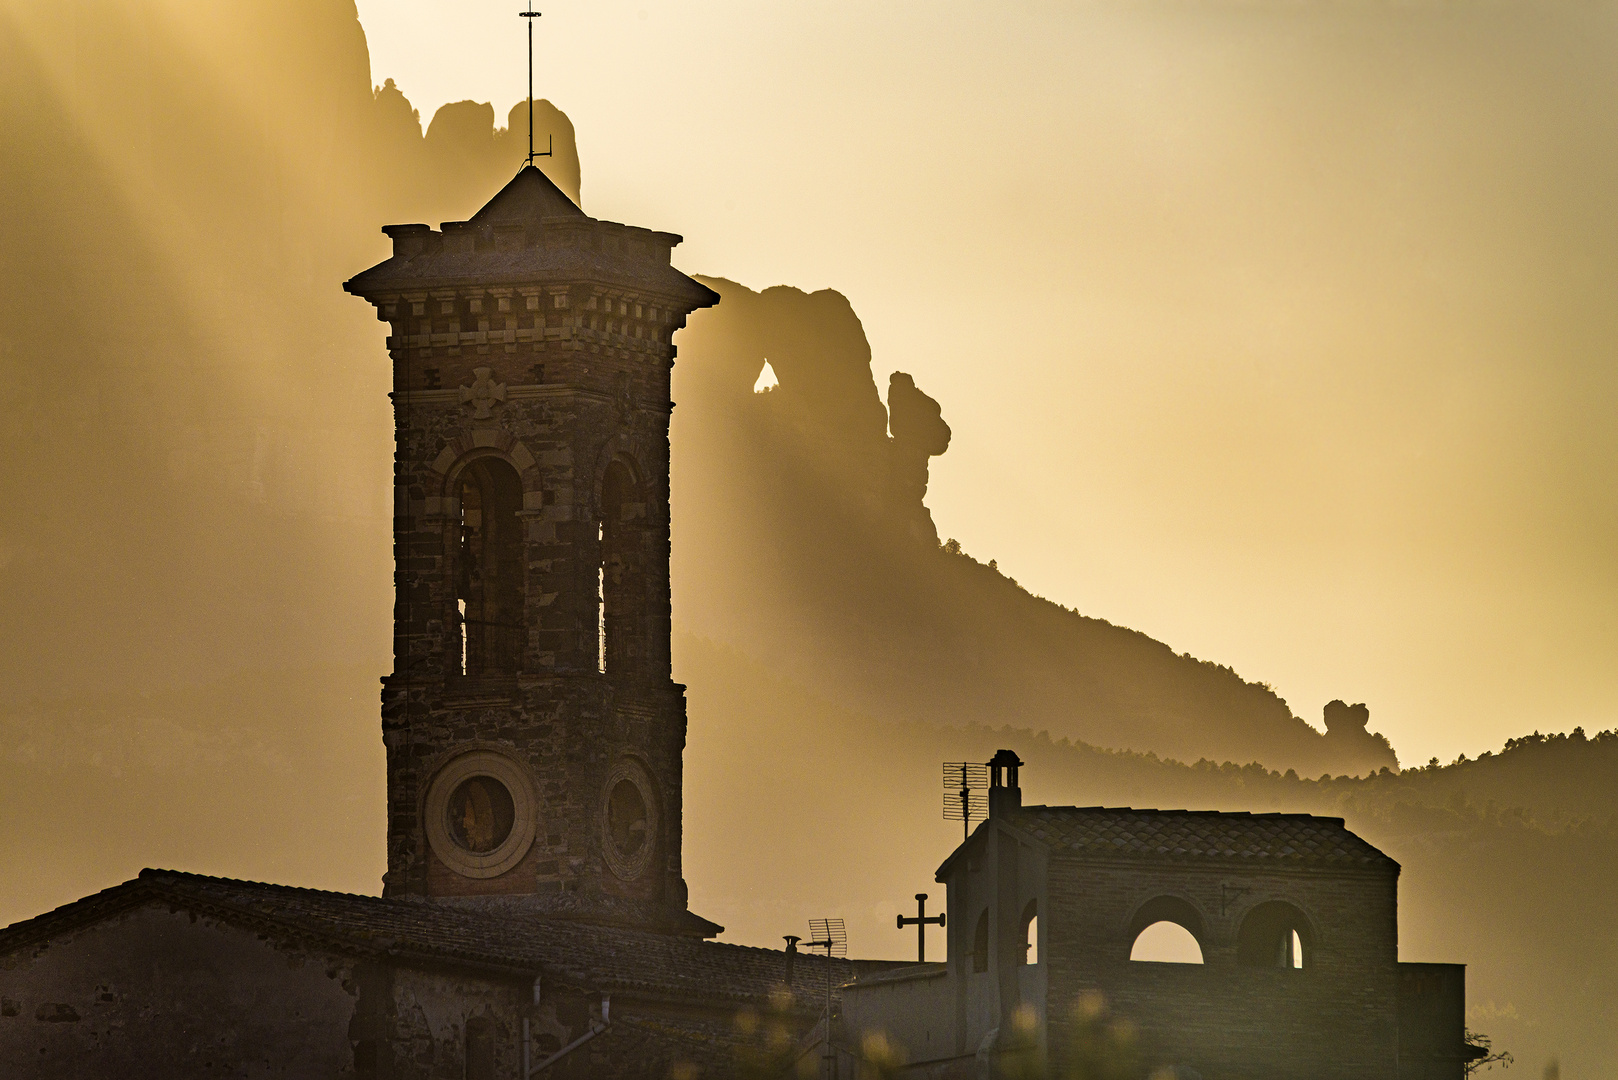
column 559, row 382
column 1337, row 1017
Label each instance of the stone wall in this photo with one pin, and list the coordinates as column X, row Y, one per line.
column 559, row 381
column 157, row 992
column 151, row 992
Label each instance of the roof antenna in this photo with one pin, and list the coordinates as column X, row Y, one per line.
column 550, row 140
column 830, row 935
column 964, row 798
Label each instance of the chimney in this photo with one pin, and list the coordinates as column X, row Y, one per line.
column 792, row 954
column 408, row 240
column 1005, row 796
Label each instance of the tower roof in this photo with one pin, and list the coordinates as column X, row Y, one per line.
column 531, row 196
column 530, row 233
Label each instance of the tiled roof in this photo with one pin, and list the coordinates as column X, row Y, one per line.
column 1283, row 839
column 422, row 932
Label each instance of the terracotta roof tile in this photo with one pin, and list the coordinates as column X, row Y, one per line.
column 421, row 931
column 1196, row 834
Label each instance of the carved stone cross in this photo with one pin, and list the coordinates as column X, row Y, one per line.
column 483, row 393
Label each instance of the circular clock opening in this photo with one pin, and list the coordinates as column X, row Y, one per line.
column 626, row 818
column 480, row 814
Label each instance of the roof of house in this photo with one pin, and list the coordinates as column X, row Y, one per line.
column 1229, row 837
column 418, row 932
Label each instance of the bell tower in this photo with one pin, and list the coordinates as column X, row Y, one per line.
column 534, row 735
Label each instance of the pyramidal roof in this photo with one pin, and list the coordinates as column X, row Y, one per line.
column 529, row 197
column 530, row 232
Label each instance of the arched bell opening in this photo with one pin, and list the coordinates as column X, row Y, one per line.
column 488, row 567
column 621, row 574
column 1275, row 935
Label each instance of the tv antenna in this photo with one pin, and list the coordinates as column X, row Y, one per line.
column 550, row 140
column 964, row 798
column 828, row 934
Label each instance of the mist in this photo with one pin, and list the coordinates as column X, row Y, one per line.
column 1150, row 378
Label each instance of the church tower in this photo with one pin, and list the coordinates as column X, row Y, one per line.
column 534, row 735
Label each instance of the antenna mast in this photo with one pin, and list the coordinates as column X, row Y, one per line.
column 964, row 798
column 550, row 146
column 830, row 935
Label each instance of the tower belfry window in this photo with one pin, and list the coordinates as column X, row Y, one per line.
column 488, row 572
column 620, row 578
column 601, row 599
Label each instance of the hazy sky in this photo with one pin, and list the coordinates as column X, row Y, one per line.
column 1284, row 332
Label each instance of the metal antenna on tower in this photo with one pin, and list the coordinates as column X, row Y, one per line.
column 964, row 798
column 550, row 140
column 830, row 935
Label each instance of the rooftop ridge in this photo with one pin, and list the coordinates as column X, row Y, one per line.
column 1155, row 810
column 1271, row 837
column 416, row 930
column 151, row 873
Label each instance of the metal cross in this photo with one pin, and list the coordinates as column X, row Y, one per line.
column 921, row 922
column 531, row 15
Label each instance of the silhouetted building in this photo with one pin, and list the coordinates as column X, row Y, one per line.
column 1291, row 921
column 534, row 733
column 534, row 916
column 533, row 900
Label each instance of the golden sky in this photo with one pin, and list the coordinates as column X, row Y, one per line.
column 1284, row 332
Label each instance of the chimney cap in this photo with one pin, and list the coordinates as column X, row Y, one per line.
column 1004, row 794
column 1006, row 758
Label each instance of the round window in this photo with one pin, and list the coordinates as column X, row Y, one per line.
column 480, row 814
column 629, row 819
column 626, row 818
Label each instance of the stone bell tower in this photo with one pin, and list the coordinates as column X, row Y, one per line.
column 534, row 736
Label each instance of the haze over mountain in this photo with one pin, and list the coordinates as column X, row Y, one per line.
column 196, row 551
column 1279, row 332
column 805, row 543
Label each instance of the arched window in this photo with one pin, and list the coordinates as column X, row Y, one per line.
column 980, row 944
column 620, row 576
column 1167, row 930
column 1030, row 933
column 489, row 570
column 1166, row 943
column 479, row 1048
column 1275, row 935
